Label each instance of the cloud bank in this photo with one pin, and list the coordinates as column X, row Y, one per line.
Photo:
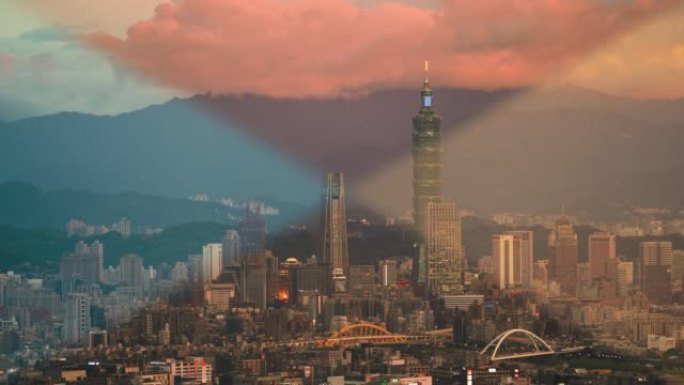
column 304, row 48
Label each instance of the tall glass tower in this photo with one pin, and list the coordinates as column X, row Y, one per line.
column 252, row 235
column 427, row 169
column 334, row 218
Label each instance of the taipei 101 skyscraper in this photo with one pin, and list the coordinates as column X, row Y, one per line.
column 427, row 169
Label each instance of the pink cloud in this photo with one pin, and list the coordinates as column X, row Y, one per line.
column 326, row 48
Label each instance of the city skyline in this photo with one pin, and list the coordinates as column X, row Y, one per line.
column 269, row 192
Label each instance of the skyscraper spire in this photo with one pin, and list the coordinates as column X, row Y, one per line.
column 426, row 93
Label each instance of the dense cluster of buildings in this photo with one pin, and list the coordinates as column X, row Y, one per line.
column 235, row 313
column 79, row 228
column 634, row 222
column 625, row 303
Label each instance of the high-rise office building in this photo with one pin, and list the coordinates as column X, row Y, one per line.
column 523, row 256
column 625, row 271
column 253, row 258
column 252, row 234
column 608, row 286
column 77, row 319
column 179, row 272
column 131, row 268
column 362, row 278
column 677, row 270
column 334, row 224
column 512, row 259
column 195, row 268
column 427, row 160
column 445, row 265
column 211, row 261
column 427, row 171
column 462, row 326
column 255, row 286
column 655, row 270
column 272, row 267
column 231, row 249
column 502, row 258
column 284, row 276
column 656, row 253
column 540, row 273
column 85, row 263
column 584, row 281
column 601, row 252
column 96, row 250
column 217, row 295
column 562, row 255
column 310, row 276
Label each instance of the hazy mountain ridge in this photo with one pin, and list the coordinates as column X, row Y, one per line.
column 163, row 150
column 24, row 205
column 39, row 248
column 503, row 150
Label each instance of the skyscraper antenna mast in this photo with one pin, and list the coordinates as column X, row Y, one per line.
column 426, row 81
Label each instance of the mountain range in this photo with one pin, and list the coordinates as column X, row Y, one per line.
column 25, row 206
column 526, row 150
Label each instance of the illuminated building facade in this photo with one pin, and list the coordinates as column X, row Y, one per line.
column 445, row 259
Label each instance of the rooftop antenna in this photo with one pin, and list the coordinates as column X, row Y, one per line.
column 426, row 81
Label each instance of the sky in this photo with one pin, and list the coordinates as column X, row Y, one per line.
column 46, row 68
column 111, row 57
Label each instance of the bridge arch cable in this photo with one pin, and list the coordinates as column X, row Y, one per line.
column 540, row 346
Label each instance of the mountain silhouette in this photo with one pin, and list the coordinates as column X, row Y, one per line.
column 528, row 150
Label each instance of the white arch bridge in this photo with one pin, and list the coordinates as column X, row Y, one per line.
column 530, row 345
